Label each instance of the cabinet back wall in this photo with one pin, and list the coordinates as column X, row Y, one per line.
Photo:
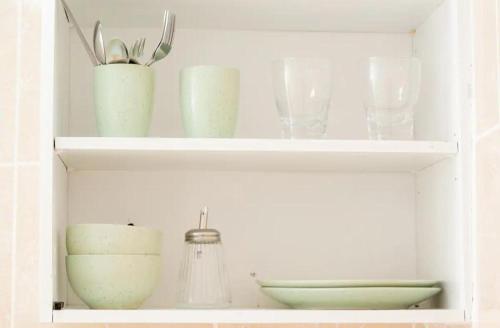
column 252, row 52
column 278, row 225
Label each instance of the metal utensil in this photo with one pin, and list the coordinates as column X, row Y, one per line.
column 167, row 38
column 137, row 50
column 99, row 50
column 86, row 45
column 132, row 50
column 117, row 52
column 141, row 48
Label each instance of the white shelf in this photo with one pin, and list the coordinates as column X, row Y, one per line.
column 250, row 154
column 257, row 316
column 279, row 15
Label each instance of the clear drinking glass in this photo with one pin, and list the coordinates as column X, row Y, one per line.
column 390, row 89
column 303, row 88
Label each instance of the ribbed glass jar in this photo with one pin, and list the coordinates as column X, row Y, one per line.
column 203, row 281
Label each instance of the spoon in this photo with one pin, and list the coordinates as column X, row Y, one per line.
column 99, row 50
column 167, row 38
column 117, row 52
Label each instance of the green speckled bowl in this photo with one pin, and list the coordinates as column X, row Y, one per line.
column 102, row 239
column 113, row 281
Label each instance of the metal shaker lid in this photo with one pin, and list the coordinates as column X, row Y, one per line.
column 203, row 235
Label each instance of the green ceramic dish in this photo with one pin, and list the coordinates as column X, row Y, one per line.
column 113, row 281
column 101, row 239
column 357, row 298
column 346, row 283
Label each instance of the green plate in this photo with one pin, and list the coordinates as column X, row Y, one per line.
column 358, row 298
column 346, row 283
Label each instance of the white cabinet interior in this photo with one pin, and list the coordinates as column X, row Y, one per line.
column 342, row 208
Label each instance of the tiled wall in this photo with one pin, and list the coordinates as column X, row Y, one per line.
column 19, row 172
column 487, row 53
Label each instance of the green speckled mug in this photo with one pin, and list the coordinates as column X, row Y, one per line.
column 209, row 97
column 123, row 99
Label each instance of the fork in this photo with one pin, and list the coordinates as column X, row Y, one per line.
column 167, row 38
column 137, row 50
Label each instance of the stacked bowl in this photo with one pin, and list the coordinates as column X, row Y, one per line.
column 113, row 266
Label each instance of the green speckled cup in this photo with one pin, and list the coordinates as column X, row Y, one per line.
column 209, row 97
column 123, row 99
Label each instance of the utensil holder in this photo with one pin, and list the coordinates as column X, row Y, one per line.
column 209, row 98
column 123, row 99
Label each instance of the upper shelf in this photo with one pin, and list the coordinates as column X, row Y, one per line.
column 277, row 15
column 250, row 154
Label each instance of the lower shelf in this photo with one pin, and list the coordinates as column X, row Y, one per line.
column 257, row 316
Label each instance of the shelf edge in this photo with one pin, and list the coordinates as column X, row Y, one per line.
column 258, row 316
column 262, row 145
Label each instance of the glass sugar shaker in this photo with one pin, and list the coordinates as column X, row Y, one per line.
column 203, row 281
